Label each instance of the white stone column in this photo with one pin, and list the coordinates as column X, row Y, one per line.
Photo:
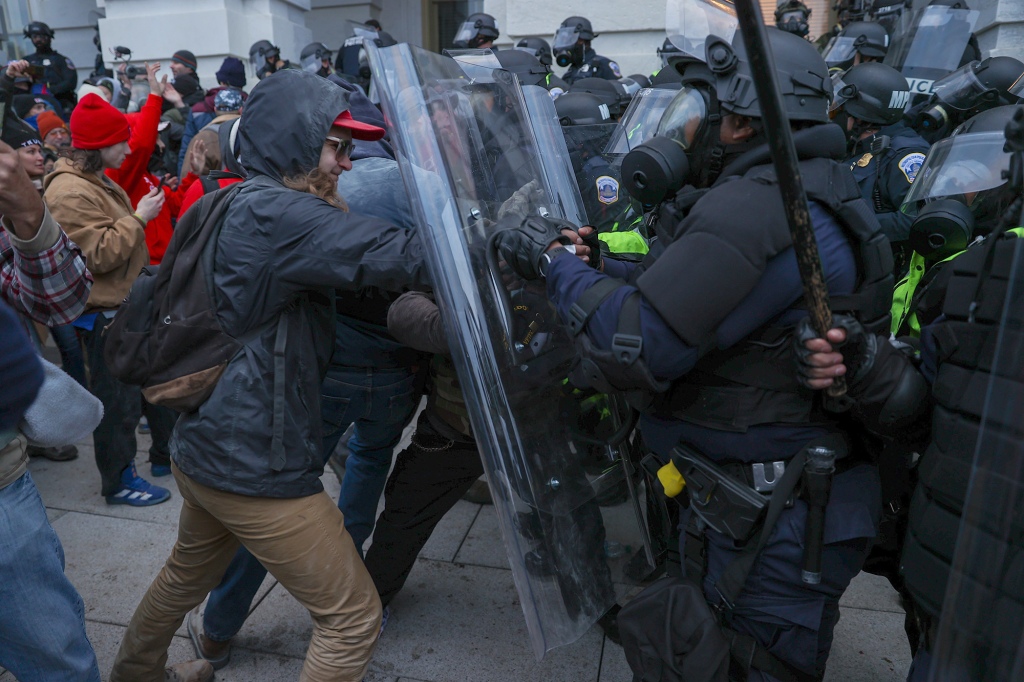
column 1000, row 27
column 210, row 29
column 328, row 18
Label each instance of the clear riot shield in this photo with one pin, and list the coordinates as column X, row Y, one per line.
column 980, row 635
column 929, row 44
column 560, row 462
column 640, row 120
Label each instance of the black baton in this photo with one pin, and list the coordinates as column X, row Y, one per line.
column 818, row 470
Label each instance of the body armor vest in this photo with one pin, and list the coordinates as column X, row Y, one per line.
column 754, row 382
column 966, row 345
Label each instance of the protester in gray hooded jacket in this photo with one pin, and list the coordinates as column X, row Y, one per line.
column 280, row 255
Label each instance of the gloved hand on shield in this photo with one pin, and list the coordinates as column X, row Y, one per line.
column 524, row 242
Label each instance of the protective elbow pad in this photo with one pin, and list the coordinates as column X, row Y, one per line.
column 906, row 401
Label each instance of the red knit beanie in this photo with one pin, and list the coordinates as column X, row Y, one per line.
column 95, row 124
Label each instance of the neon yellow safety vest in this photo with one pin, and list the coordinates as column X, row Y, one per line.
column 903, row 296
column 625, row 242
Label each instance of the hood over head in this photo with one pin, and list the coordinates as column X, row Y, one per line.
column 286, row 120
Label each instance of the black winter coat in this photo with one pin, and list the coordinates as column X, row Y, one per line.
column 283, row 253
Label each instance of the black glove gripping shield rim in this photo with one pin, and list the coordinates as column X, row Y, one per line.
column 495, row 161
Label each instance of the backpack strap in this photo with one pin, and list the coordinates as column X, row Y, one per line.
column 277, row 456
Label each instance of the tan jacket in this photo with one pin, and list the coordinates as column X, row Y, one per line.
column 97, row 215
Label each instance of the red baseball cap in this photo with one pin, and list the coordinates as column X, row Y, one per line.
column 360, row 131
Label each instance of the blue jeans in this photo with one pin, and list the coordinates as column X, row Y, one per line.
column 42, row 621
column 380, row 402
column 72, row 359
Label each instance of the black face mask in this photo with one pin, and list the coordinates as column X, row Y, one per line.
column 570, row 56
column 941, row 229
column 796, row 27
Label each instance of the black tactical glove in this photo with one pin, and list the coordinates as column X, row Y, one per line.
column 859, row 350
column 522, row 242
column 595, row 244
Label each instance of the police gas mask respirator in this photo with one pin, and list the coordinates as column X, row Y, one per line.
column 661, row 166
column 568, row 48
column 794, row 22
column 942, row 229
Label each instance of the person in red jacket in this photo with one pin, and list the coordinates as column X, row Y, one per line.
column 134, row 177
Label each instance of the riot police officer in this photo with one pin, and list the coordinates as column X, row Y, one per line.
column 792, row 16
column 572, row 49
column 478, row 31
column 969, row 90
column 316, row 58
column 963, row 364
column 885, row 154
column 700, row 328
column 858, row 42
column 59, row 75
column 588, row 126
column 541, row 50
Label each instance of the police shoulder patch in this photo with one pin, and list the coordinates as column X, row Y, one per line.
column 607, row 189
column 911, row 164
column 615, row 69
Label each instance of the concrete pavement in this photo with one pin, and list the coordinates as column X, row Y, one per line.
column 458, row 620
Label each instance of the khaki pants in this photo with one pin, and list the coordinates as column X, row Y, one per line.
column 303, row 544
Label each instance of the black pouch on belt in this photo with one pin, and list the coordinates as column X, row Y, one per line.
column 719, row 500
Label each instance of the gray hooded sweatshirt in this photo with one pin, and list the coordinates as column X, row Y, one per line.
column 283, row 253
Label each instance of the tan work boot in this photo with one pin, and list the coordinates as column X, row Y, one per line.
column 192, row 671
column 217, row 653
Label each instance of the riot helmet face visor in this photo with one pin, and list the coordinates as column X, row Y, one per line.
column 962, row 90
column 311, row 63
column 565, row 38
column 661, row 166
column 1017, row 89
column 963, row 167
column 690, row 22
column 841, row 52
column 684, row 118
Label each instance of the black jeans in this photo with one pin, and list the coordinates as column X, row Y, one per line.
column 429, row 477
column 114, row 438
column 161, row 423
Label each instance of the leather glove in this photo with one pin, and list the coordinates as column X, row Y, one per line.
column 595, row 245
column 859, row 350
column 522, row 242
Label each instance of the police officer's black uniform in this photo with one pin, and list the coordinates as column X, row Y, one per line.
column 593, row 66
column 886, row 162
column 59, row 74
column 733, row 400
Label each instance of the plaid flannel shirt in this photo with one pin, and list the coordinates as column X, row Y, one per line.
column 50, row 285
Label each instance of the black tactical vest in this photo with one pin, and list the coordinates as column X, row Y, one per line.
column 966, row 345
column 754, row 382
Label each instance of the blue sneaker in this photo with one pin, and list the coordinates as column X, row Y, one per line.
column 159, row 470
column 136, row 491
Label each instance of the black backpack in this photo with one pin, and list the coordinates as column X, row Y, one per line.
column 166, row 337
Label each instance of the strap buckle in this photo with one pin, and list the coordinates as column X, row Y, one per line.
column 627, row 348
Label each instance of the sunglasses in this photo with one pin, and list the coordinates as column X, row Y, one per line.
column 342, row 148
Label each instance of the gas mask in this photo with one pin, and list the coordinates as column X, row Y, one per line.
column 942, row 229
column 794, row 22
column 567, row 47
column 685, row 150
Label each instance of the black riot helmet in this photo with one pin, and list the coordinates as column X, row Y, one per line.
column 476, row 30
column 538, row 47
column 864, row 38
column 581, row 109
column 611, row 93
column 312, row 56
column 791, row 16
column 872, row 92
column 802, row 76
column 38, row 28
column 668, row 53
column 971, row 89
column 524, row 65
column 567, row 46
column 969, row 167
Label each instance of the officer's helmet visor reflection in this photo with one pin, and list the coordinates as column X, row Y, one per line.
column 565, row 38
column 684, row 117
